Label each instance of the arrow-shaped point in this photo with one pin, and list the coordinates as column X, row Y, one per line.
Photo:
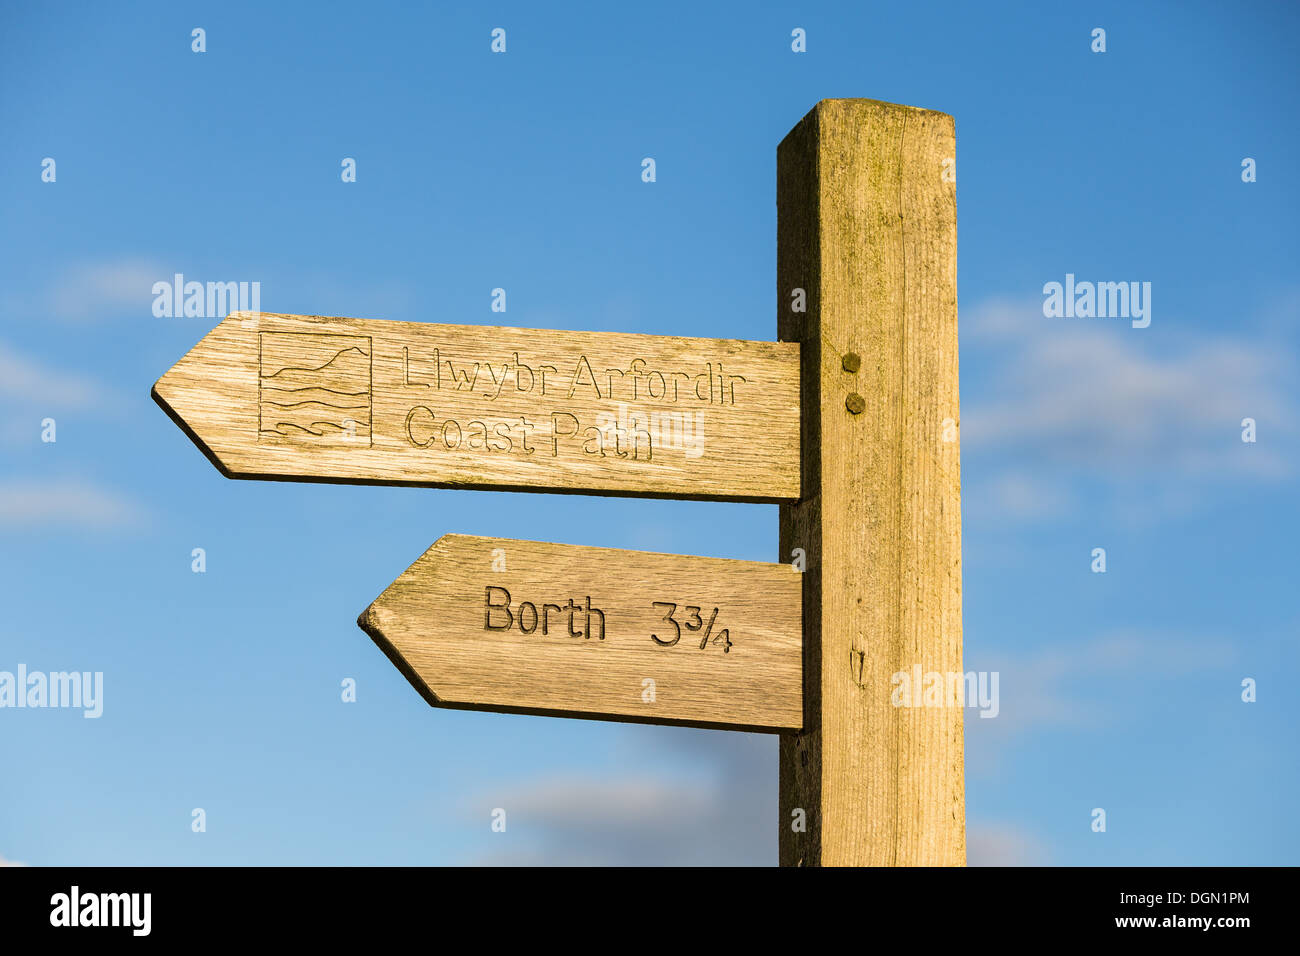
column 536, row 628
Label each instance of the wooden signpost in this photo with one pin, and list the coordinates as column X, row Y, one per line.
column 851, row 423
column 529, row 627
column 867, row 224
column 305, row 397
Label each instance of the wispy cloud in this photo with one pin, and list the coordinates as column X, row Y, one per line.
column 1080, row 685
column 724, row 817
column 1003, row 844
column 68, row 503
column 727, row 819
column 1057, row 407
column 32, row 390
column 90, row 291
column 4, row 862
column 28, row 381
column 1023, row 494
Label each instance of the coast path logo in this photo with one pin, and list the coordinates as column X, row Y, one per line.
column 314, row 389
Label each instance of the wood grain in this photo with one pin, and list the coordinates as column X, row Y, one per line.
column 468, row 626
column 867, row 225
column 305, row 398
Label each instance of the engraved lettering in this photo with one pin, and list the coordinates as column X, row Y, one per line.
column 505, row 373
column 502, row 430
column 593, row 441
column 668, row 619
column 573, row 431
column 675, row 375
column 599, row 613
column 406, row 369
column 577, row 377
column 635, row 370
column 707, row 376
column 695, row 623
column 489, row 607
column 580, row 618
column 410, row 416
column 556, row 434
column 527, row 428
column 521, row 367
column 530, row 608
column 710, row 384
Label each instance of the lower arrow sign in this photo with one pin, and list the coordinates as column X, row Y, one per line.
column 530, row 627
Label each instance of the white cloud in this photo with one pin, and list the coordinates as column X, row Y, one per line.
column 1067, row 685
column 29, row 382
column 32, row 390
column 723, row 818
column 1022, row 494
column 1145, row 419
column 1003, row 844
column 594, row 821
column 643, row 820
column 1101, row 396
column 1107, row 397
column 607, row 803
column 728, row 815
column 63, row 502
column 4, row 862
column 90, row 291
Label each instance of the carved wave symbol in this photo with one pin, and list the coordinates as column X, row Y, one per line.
column 314, row 387
column 314, row 402
column 310, row 430
column 318, row 368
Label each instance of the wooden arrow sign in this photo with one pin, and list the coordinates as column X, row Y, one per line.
column 528, row 627
column 366, row 401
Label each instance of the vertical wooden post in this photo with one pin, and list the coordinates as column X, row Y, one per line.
column 867, row 227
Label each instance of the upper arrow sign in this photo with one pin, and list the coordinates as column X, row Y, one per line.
column 360, row 400
column 531, row 627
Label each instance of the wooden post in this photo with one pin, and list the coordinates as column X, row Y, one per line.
column 867, row 228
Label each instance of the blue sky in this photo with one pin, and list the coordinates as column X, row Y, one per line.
column 474, row 171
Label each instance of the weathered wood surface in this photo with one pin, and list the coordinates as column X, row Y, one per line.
column 359, row 400
column 867, row 226
column 530, row 627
